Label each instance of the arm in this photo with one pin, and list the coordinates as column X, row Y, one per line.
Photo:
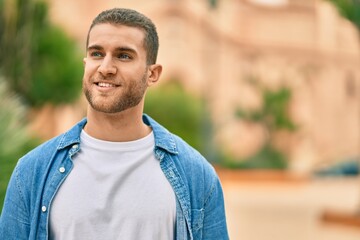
column 14, row 219
column 214, row 225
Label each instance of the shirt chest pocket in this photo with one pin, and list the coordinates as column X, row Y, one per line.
column 197, row 219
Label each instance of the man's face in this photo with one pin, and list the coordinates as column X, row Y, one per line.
column 116, row 74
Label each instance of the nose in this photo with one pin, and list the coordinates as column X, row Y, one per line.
column 107, row 66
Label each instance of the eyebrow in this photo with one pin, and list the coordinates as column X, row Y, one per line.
column 94, row 47
column 118, row 49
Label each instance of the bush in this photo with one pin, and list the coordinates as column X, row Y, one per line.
column 273, row 116
column 181, row 113
column 14, row 142
column 40, row 63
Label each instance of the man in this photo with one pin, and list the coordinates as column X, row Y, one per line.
column 117, row 174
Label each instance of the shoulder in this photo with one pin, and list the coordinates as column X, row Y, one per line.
column 188, row 160
column 42, row 155
column 39, row 157
column 192, row 161
column 200, row 177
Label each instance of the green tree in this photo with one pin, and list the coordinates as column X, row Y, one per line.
column 182, row 113
column 273, row 116
column 39, row 61
column 14, row 140
column 350, row 9
column 38, row 64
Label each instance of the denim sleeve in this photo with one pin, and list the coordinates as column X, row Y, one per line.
column 14, row 219
column 214, row 225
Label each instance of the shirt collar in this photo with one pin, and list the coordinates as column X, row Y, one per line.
column 72, row 136
column 163, row 138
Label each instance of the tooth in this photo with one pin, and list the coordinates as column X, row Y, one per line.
column 106, row 85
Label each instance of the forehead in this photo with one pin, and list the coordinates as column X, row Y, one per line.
column 116, row 35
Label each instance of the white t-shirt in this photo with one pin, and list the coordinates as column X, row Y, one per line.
column 116, row 190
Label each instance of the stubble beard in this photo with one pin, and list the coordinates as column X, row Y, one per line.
column 130, row 97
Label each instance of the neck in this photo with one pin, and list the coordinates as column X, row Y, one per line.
column 116, row 127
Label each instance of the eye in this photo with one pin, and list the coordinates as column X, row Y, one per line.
column 124, row 56
column 96, row 54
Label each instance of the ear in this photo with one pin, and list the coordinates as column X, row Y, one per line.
column 154, row 74
column 84, row 61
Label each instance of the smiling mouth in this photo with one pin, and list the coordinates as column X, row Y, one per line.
column 106, row 85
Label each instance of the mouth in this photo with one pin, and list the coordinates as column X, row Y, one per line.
column 106, row 85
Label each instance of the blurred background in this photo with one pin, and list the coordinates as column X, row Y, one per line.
column 267, row 90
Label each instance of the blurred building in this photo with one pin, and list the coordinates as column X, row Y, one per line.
column 215, row 47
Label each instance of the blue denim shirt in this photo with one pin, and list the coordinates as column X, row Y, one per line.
column 38, row 175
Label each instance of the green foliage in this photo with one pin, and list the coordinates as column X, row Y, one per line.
column 180, row 112
column 56, row 81
column 39, row 61
column 350, row 9
column 273, row 113
column 273, row 116
column 213, row 3
column 14, row 142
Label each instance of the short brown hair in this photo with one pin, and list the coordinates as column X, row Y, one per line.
column 131, row 18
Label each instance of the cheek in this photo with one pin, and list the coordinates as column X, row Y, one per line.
column 86, row 77
column 89, row 69
column 91, row 65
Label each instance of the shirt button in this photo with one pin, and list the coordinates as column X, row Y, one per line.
column 75, row 146
column 62, row 169
column 43, row 208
